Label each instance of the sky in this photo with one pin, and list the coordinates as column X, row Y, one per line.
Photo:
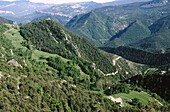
column 64, row 1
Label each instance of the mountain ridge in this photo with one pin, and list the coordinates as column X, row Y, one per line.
column 95, row 26
column 159, row 40
column 67, row 41
column 134, row 32
column 34, row 80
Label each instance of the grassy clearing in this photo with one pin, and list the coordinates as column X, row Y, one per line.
column 150, row 70
column 143, row 98
column 15, row 37
column 37, row 54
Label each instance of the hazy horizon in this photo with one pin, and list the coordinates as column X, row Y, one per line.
column 62, row 1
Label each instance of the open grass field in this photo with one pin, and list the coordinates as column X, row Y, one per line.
column 37, row 54
column 14, row 35
column 143, row 98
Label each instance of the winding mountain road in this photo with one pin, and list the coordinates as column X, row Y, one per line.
column 114, row 60
column 153, row 98
column 8, row 30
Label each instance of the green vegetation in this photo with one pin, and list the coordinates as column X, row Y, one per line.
column 118, row 88
column 134, row 32
column 58, row 40
column 107, row 26
column 43, row 55
column 37, row 87
column 155, row 82
column 143, row 98
column 13, row 35
column 140, row 56
column 95, row 26
column 159, row 40
column 55, row 18
column 69, row 71
column 134, row 11
column 6, row 20
column 35, row 80
column 126, row 68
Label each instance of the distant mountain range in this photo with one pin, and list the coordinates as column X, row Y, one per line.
column 115, row 26
column 20, row 8
column 134, row 11
column 23, row 11
column 72, row 9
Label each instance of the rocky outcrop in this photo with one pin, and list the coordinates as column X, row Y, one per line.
column 117, row 100
column 155, row 4
column 14, row 63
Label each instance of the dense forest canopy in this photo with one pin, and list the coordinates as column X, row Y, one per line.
column 46, row 68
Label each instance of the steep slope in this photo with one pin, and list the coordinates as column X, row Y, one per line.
column 134, row 11
column 33, row 80
column 95, row 26
column 62, row 12
column 159, row 41
column 155, row 82
column 126, row 67
column 56, row 39
column 6, row 21
column 34, row 86
column 134, row 32
column 140, row 56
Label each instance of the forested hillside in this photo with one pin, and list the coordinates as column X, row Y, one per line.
column 158, row 83
column 56, row 39
column 122, row 25
column 95, row 26
column 55, row 18
column 6, row 20
column 140, row 56
column 34, row 86
column 134, row 11
column 159, row 40
column 44, row 67
column 134, row 32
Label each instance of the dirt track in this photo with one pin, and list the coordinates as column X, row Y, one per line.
column 8, row 30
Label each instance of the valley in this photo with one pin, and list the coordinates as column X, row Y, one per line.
column 87, row 56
